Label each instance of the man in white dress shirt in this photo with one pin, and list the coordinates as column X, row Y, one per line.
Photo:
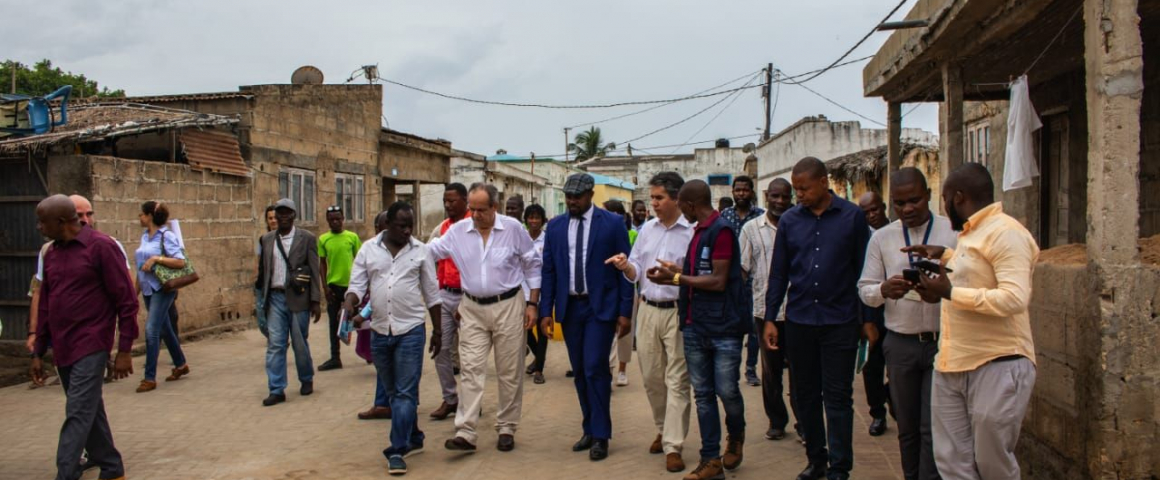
column 400, row 276
column 913, row 326
column 495, row 257
column 660, row 348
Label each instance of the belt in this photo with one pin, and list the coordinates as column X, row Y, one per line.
column 578, row 296
column 278, row 289
column 1007, row 358
column 493, row 299
column 456, row 291
column 922, row 337
column 666, row 304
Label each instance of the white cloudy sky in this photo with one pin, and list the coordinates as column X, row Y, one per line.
column 544, row 51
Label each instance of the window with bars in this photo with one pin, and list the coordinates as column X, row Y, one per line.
column 350, row 194
column 298, row 185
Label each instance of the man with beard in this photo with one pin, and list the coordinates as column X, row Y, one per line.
column 985, row 369
column 757, row 239
column 742, row 212
column 912, row 342
column 874, row 371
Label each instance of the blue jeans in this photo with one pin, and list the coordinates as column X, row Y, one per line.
column 158, row 328
column 285, row 326
column 399, row 363
column 714, row 371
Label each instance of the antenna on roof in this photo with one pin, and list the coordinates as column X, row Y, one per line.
column 306, row 75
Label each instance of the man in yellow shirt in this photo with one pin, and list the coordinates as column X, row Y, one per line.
column 985, row 368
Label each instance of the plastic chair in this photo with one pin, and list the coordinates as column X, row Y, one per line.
column 39, row 111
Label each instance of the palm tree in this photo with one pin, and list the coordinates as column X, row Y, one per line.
column 589, row 145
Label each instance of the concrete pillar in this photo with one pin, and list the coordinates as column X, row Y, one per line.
column 417, row 206
column 893, row 149
column 951, row 124
column 1122, row 360
column 389, row 196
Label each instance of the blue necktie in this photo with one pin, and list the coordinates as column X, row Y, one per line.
column 579, row 274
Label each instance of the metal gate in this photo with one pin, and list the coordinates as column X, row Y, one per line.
column 22, row 186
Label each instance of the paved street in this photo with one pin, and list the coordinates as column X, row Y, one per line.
column 211, row 425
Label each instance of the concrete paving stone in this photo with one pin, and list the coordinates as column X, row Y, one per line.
column 211, row 426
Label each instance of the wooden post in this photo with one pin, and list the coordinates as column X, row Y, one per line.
column 951, row 123
column 893, row 148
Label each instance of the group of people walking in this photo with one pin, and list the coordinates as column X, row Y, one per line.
column 822, row 288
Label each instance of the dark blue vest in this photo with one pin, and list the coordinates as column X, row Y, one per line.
column 717, row 314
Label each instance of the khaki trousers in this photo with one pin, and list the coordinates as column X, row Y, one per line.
column 483, row 328
column 660, row 350
column 976, row 417
column 622, row 346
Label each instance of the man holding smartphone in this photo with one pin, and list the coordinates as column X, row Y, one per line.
column 889, row 278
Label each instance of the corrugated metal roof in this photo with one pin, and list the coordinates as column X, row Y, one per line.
column 213, row 151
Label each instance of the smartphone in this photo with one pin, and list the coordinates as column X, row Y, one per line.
column 929, row 267
column 911, row 275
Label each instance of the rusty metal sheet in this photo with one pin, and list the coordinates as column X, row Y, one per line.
column 213, row 151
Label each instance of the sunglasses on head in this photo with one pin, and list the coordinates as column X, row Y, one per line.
column 334, row 208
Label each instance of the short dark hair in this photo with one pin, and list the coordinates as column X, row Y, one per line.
column 908, row 176
column 812, row 167
column 743, row 179
column 974, row 180
column 725, row 202
column 781, row 181
column 395, row 208
column 615, row 206
column 638, row 202
column 670, row 181
column 698, row 193
column 535, row 209
column 457, row 188
column 158, row 212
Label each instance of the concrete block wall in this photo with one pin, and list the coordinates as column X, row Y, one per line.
column 216, row 219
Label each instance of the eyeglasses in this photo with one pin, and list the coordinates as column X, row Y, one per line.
column 333, row 208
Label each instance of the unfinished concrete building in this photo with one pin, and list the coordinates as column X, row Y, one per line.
column 1093, row 73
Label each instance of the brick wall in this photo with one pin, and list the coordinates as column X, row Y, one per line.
column 216, row 221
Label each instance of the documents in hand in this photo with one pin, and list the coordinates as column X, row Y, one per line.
column 863, row 354
column 345, row 326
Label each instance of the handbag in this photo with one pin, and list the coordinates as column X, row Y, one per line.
column 174, row 278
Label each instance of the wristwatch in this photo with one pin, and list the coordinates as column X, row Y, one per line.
column 533, row 304
column 676, row 279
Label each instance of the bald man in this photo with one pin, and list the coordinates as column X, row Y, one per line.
column 86, row 296
column 985, row 369
column 874, row 371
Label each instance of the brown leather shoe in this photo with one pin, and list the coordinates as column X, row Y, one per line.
column 733, row 452
column 445, row 410
column 458, row 443
column 146, row 386
column 506, row 442
column 178, row 373
column 707, row 470
column 375, row 413
column 674, row 463
column 657, row 446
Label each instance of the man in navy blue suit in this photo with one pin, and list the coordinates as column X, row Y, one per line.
column 592, row 300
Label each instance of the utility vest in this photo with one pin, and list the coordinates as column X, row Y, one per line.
column 716, row 314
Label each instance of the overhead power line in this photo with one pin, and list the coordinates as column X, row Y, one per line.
column 699, row 112
column 618, row 117
column 856, row 45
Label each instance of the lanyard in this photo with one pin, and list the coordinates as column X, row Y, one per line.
column 925, row 237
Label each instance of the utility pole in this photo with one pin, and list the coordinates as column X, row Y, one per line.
column 567, row 154
column 13, row 65
column 767, row 92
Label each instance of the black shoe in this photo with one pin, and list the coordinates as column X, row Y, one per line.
column 273, row 399
column 599, row 450
column 569, row 374
column 307, row 388
column 459, row 444
column 775, row 433
column 332, row 364
column 878, row 427
column 455, row 371
column 530, row 369
column 813, row 472
column 585, row 443
column 506, row 442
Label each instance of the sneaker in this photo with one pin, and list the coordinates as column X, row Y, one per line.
column 396, row 465
column 414, row 450
column 332, row 364
column 622, row 379
column 733, row 452
column 707, row 470
column 751, row 377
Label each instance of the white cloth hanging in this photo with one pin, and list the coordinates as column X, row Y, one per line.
column 1022, row 121
column 175, row 227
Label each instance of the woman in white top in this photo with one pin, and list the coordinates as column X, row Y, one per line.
column 535, row 218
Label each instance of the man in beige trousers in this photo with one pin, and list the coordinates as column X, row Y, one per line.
column 495, row 256
column 659, row 348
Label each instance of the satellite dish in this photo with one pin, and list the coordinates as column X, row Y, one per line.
column 306, row 75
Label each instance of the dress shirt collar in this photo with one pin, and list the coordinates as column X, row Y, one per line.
column 708, row 221
column 980, row 216
column 763, row 221
column 498, row 225
column 587, row 215
column 293, row 230
column 411, row 243
column 681, row 222
column 83, row 237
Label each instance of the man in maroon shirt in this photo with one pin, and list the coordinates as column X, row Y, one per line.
column 83, row 290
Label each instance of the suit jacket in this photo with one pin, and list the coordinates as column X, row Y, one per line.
column 609, row 292
column 303, row 252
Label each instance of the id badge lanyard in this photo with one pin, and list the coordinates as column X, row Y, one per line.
column 925, row 237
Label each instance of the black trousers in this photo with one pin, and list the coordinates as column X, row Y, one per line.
column 332, row 310
column 772, row 392
column 874, row 377
column 823, row 359
column 86, row 427
column 911, row 364
column 539, row 347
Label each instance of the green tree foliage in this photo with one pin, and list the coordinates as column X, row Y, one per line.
column 590, row 144
column 43, row 78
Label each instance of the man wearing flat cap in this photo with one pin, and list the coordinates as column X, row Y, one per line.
column 591, row 299
column 293, row 288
